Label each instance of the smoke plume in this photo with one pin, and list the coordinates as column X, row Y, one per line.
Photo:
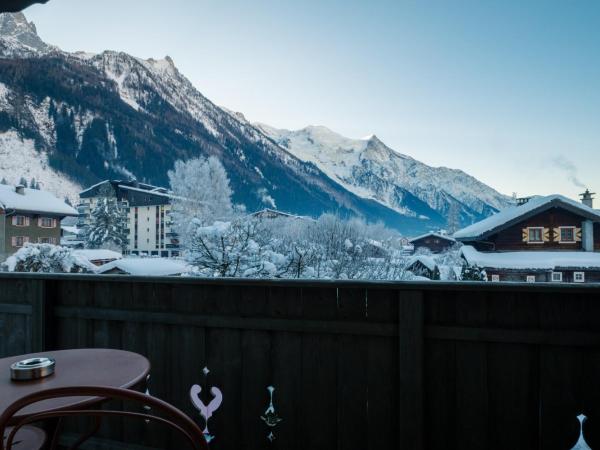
column 567, row 166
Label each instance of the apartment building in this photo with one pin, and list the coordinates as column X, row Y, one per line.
column 148, row 215
column 29, row 215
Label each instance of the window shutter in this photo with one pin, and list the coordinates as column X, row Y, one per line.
column 39, row 221
column 525, row 234
column 13, row 240
column 557, row 235
column 25, row 239
column 546, row 236
column 54, row 223
column 14, row 220
column 27, row 221
column 577, row 234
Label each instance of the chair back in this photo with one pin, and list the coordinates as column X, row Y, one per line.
column 171, row 416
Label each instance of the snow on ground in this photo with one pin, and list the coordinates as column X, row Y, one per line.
column 531, row 260
column 156, row 267
column 19, row 158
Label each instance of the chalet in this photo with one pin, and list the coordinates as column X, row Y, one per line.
column 423, row 266
column 29, row 215
column 550, row 238
column 435, row 242
column 268, row 213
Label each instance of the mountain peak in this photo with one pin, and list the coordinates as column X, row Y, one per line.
column 16, row 30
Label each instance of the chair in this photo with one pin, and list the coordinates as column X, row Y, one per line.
column 173, row 417
column 27, row 438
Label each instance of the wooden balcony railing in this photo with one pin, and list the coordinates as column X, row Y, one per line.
column 353, row 365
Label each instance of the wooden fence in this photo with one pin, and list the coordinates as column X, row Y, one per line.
column 354, row 365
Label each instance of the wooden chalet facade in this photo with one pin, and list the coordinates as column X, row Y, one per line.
column 435, row 242
column 553, row 239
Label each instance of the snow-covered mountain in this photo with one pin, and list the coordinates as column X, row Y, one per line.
column 111, row 115
column 372, row 170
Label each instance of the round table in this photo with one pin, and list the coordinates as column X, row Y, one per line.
column 80, row 367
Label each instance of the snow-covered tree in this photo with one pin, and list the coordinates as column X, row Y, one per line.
column 23, row 182
column 47, row 258
column 33, row 184
column 68, row 201
column 202, row 195
column 108, row 223
column 231, row 249
column 473, row 273
column 3, row 181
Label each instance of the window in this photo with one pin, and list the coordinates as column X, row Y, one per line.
column 495, row 278
column 20, row 221
column 567, row 234
column 536, row 235
column 531, row 278
column 557, row 277
column 579, row 277
column 47, row 240
column 19, row 241
column 46, row 222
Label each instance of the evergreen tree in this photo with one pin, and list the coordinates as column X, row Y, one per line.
column 68, row 201
column 3, row 181
column 33, row 184
column 108, row 227
column 23, row 182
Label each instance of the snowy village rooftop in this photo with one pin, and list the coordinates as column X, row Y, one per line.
column 19, row 198
column 558, row 260
column 511, row 215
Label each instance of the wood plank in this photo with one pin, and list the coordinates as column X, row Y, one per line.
column 410, row 363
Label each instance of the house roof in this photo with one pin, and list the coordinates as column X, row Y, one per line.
column 34, row 201
column 425, row 260
column 537, row 260
column 515, row 214
column 432, row 234
column 146, row 266
column 99, row 254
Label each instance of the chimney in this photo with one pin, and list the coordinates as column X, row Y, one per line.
column 523, row 200
column 587, row 198
column 20, row 189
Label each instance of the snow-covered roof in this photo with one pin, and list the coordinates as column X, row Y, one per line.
column 70, row 229
column 534, row 260
column 432, row 234
column 514, row 214
column 98, row 254
column 427, row 261
column 156, row 191
column 156, row 267
column 267, row 211
column 33, row 201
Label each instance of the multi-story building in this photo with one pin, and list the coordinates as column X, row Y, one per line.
column 148, row 215
column 29, row 215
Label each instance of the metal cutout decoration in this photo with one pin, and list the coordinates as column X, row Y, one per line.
column 206, row 411
column 581, row 444
column 270, row 416
column 147, row 408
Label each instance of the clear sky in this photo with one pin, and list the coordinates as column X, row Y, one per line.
column 508, row 91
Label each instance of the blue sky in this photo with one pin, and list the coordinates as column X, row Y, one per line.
column 508, row 91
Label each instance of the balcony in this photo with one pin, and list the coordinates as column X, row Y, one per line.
column 354, row 365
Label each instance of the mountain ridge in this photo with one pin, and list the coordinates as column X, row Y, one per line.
column 110, row 114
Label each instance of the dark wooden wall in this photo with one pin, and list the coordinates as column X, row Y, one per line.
column 433, row 243
column 512, row 238
column 355, row 365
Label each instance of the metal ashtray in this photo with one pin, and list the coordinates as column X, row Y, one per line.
column 32, row 368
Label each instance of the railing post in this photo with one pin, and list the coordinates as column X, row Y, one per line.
column 410, row 369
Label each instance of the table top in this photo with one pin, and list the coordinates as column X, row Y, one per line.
column 78, row 367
